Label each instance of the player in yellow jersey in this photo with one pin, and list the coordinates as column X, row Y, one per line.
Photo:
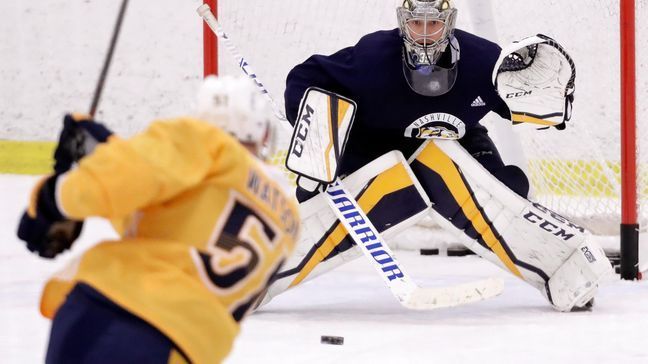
column 204, row 227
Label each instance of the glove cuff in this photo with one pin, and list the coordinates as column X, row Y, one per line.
column 46, row 200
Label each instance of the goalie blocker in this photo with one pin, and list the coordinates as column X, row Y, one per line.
column 319, row 137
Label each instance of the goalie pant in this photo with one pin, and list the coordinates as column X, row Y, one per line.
column 531, row 242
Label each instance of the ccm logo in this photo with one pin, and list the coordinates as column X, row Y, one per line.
column 548, row 226
column 588, row 254
column 518, row 94
column 302, row 132
column 551, row 222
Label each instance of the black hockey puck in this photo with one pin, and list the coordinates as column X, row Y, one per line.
column 459, row 252
column 332, row 340
column 429, row 251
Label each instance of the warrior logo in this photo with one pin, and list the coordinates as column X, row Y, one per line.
column 436, row 125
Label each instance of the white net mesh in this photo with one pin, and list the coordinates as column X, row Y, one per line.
column 575, row 172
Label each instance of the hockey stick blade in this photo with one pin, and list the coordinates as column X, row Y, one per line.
column 422, row 298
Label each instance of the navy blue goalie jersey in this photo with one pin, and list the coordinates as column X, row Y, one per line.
column 390, row 115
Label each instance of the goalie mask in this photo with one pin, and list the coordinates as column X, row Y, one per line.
column 427, row 27
column 235, row 105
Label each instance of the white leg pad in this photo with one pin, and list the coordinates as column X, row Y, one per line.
column 577, row 279
column 318, row 218
column 534, row 243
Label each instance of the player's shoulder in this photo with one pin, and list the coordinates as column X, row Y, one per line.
column 472, row 40
column 370, row 43
column 188, row 125
column 379, row 42
column 472, row 45
column 379, row 38
column 181, row 122
column 187, row 130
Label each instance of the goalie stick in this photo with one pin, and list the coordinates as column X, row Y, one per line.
column 359, row 227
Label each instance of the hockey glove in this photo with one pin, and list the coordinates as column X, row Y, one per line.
column 45, row 230
column 79, row 137
column 535, row 78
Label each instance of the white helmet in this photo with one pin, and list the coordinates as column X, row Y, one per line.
column 235, row 105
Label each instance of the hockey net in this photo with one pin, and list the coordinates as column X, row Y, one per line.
column 575, row 172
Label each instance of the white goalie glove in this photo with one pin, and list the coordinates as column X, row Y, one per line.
column 535, row 78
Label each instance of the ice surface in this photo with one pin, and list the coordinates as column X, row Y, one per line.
column 518, row 326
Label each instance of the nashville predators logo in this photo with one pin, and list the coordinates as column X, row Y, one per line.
column 436, row 126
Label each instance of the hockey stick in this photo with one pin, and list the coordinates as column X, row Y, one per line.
column 346, row 208
column 108, row 59
column 205, row 12
column 75, row 142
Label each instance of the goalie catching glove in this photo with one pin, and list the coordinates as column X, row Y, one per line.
column 535, row 78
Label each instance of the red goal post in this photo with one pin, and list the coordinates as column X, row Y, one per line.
column 210, row 44
column 629, row 222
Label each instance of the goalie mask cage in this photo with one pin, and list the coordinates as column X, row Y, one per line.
column 595, row 172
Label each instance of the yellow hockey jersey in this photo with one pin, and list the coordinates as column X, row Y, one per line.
column 204, row 226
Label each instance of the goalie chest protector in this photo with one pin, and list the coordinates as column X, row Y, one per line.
column 370, row 73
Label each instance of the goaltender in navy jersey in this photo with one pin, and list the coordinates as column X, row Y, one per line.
column 390, row 115
column 205, row 226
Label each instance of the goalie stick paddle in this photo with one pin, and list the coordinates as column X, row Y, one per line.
column 408, row 293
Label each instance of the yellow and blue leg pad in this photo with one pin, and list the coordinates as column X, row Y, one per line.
column 389, row 199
